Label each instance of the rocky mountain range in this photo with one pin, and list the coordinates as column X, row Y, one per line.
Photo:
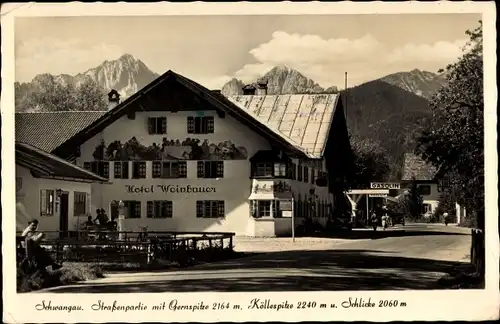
column 421, row 83
column 126, row 74
column 280, row 80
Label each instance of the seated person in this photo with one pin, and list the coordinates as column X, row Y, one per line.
column 89, row 223
column 34, row 252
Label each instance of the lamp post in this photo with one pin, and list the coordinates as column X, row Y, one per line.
column 121, row 218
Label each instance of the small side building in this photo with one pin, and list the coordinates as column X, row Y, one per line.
column 51, row 190
column 430, row 182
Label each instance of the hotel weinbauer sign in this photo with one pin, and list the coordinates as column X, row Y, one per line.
column 168, row 189
column 385, row 185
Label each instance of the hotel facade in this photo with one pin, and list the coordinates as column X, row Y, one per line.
column 184, row 158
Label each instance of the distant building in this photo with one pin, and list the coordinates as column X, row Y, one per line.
column 430, row 182
column 182, row 157
column 51, row 190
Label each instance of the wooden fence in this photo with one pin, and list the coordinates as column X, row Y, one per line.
column 133, row 247
column 477, row 250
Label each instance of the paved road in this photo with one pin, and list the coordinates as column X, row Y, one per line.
column 410, row 257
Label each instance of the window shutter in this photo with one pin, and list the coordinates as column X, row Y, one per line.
column 163, row 125
column 190, row 125
column 200, row 169
column 210, row 125
column 150, row 209
column 105, row 169
column 87, row 203
column 220, row 169
column 151, row 125
column 199, row 209
column 125, row 174
column 220, row 209
column 117, row 166
column 43, row 202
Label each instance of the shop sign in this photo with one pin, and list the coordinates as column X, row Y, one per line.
column 168, row 189
column 377, row 195
column 285, row 205
column 385, row 185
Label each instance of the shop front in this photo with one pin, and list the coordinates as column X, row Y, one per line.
column 271, row 208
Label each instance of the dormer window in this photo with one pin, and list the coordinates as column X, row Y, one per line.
column 263, row 170
column 280, row 169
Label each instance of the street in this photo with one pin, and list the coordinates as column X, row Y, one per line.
column 410, row 257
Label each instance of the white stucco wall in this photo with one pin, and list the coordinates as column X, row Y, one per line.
column 28, row 200
column 433, row 198
column 234, row 188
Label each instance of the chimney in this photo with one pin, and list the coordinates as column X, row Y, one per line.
column 113, row 99
column 261, row 87
column 248, row 90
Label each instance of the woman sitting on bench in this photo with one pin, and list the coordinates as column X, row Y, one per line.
column 34, row 252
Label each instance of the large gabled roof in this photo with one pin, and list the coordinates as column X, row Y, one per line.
column 303, row 119
column 46, row 165
column 217, row 100
column 415, row 167
column 48, row 130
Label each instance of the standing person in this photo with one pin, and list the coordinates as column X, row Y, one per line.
column 385, row 217
column 374, row 219
column 34, row 252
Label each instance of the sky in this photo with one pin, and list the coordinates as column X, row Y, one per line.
column 213, row 49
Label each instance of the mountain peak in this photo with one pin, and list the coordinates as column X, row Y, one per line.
column 422, row 83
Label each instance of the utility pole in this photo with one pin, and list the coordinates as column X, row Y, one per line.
column 345, row 96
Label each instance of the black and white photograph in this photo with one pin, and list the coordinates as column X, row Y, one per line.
column 276, row 157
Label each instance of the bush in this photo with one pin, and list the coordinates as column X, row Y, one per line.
column 70, row 273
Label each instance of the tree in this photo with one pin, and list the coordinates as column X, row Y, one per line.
column 55, row 95
column 370, row 162
column 411, row 202
column 454, row 141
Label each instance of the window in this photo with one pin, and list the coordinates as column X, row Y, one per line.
column 98, row 167
column 263, row 208
column 157, row 125
column 444, row 184
column 47, row 200
column 132, row 209
column 200, row 125
column 138, row 170
column 210, row 169
column 299, row 173
column 306, row 174
column 169, row 170
column 80, row 200
column 210, row 209
column 424, row 190
column 121, row 170
column 159, row 209
column 280, row 169
column 263, row 170
column 313, row 175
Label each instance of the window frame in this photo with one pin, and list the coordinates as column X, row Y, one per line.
column 157, row 125
column 163, row 165
column 100, row 167
column 155, row 209
column 216, row 167
column 80, row 203
column 200, row 124
column 139, row 174
column 202, row 206
column 45, row 209
column 137, row 209
column 119, row 172
column 428, row 190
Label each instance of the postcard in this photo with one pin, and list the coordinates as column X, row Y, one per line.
column 206, row 162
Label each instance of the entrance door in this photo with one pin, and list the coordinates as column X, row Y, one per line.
column 63, row 215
